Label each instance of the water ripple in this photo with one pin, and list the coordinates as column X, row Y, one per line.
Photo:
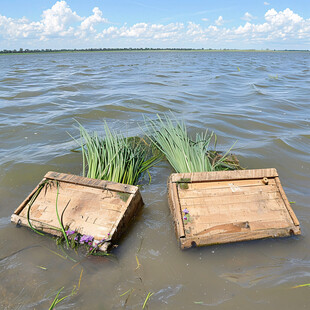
column 260, row 100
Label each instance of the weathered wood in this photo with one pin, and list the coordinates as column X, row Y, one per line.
column 175, row 209
column 229, row 190
column 229, row 206
column 287, row 203
column 22, row 205
column 225, row 175
column 94, row 183
column 232, row 184
column 237, row 236
column 91, row 207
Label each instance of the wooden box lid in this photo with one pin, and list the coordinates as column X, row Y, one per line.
column 229, row 206
column 92, row 207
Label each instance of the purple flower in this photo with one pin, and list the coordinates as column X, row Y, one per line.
column 185, row 211
column 76, row 238
column 70, row 232
column 86, row 239
column 185, row 218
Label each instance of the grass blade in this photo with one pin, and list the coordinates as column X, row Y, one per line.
column 147, row 299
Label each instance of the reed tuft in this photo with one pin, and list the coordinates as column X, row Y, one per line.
column 114, row 157
column 183, row 153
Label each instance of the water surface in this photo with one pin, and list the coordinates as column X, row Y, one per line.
column 259, row 99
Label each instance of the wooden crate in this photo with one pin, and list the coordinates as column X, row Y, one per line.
column 92, row 207
column 229, row 206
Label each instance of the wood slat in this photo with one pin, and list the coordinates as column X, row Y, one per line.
column 225, row 175
column 287, row 204
column 228, row 184
column 209, row 201
column 94, row 183
column 203, row 220
column 238, row 236
column 227, row 191
column 236, row 227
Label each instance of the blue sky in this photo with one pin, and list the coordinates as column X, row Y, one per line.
column 148, row 23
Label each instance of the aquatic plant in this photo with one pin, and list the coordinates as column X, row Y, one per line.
column 60, row 219
column 76, row 240
column 73, row 292
column 149, row 295
column 32, row 200
column 114, row 157
column 186, row 216
column 183, row 153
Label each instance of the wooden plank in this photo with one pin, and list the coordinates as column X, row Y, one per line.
column 244, row 226
column 120, row 216
column 236, row 214
column 94, row 183
column 227, row 192
column 228, row 184
column 237, row 236
column 175, row 209
column 199, row 226
column 271, row 224
column 240, row 198
column 287, row 203
column 178, row 211
column 225, row 175
column 132, row 209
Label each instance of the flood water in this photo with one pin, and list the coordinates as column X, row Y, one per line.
column 261, row 100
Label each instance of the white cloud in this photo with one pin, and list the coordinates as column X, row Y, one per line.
column 248, row 17
column 60, row 22
column 278, row 26
column 18, row 28
column 194, row 29
column 219, row 21
column 282, row 18
column 205, row 19
column 57, row 22
column 87, row 26
column 144, row 31
column 57, row 19
column 89, row 22
column 266, row 3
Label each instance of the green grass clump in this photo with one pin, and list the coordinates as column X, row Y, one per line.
column 114, row 157
column 183, row 153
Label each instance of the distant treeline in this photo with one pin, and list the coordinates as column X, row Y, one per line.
column 21, row 50
column 48, row 50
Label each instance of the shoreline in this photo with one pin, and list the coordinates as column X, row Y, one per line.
column 143, row 50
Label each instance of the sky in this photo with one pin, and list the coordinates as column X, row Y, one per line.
column 238, row 24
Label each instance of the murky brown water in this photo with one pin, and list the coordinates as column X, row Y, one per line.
column 265, row 106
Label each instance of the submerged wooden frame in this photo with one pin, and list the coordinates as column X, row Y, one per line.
column 229, row 206
column 98, row 208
